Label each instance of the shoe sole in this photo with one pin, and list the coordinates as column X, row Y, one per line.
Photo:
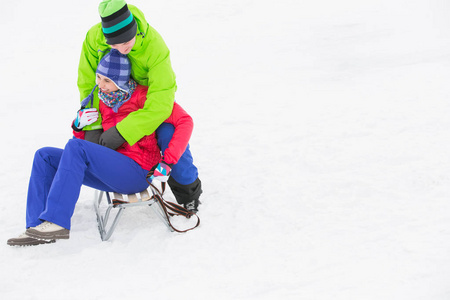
column 33, row 242
column 57, row 235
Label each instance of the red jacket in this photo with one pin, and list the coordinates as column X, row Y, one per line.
column 146, row 151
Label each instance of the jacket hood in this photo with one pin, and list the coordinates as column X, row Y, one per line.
column 142, row 26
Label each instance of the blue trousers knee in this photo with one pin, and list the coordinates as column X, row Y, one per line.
column 184, row 171
column 57, row 176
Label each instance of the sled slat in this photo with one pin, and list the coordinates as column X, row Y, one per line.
column 118, row 196
column 145, row 196
column 132, row 198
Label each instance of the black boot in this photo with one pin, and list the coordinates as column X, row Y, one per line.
column 192, row 206
column 187, row 195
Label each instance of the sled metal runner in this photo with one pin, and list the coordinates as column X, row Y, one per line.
column 139, row 199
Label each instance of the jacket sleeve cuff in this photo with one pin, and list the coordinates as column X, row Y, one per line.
column 75, row 127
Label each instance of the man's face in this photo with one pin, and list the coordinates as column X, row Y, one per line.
column 125, row 48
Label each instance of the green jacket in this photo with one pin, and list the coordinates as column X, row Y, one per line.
column 150, row 66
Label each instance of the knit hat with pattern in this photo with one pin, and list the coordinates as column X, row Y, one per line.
column 116, row 66
column 118, row 23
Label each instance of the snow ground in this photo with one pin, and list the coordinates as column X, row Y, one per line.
column 321, row 134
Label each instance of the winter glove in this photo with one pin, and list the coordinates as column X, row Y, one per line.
column 161, row 171
column 85, row 116
column 111, row 138
column 93, row 136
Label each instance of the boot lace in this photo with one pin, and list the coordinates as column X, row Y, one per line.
column 43, row 225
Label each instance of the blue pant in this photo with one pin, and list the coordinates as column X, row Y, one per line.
column 57, row 176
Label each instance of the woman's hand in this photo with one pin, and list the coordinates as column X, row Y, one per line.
column 161, row 171
column 85, row 117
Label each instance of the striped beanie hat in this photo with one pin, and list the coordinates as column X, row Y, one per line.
column 118, row 24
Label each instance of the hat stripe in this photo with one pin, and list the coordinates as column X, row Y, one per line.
column 122, row 30
column 115, row 15
column 117, row 20
column 118, row 26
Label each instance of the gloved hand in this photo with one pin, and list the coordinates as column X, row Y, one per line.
column 161, row 171
column 111, row 138
column 93, row 136
column 85, row 116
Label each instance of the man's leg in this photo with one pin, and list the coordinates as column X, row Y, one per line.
column 183, row 180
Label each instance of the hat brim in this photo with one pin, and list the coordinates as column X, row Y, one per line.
column 123, row 37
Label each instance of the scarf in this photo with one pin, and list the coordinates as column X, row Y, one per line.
column 116, row 99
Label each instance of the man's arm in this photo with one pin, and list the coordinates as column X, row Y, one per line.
column 160, row 95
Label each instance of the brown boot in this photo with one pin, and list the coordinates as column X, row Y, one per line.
column 25, row 240
column 48, row 231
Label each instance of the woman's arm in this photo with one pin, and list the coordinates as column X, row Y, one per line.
column 184, row 126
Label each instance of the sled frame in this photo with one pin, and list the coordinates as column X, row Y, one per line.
column 139, row 199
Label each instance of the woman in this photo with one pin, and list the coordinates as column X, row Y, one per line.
column 57, row 175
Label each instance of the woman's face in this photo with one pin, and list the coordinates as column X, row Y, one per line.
column 105, row 84
column 125, row 48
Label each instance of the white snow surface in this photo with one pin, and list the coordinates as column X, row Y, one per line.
column 321, row 136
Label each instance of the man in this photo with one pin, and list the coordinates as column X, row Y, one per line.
column 123, row 27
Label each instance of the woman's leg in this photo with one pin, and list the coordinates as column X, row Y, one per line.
column 96, row 166
column 45, row 165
